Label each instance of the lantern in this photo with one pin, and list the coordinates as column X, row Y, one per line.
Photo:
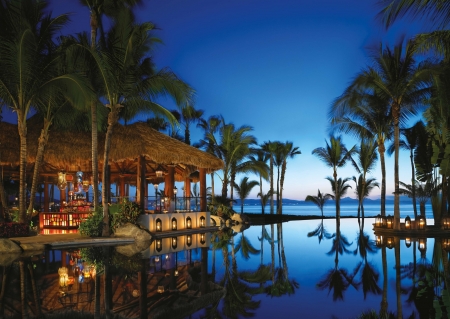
column 422, row 246
column 202, row 238
column 160, row 289
column 63, row 277
column 421, row 222
column 188, row 240
column 202, row 221
column 62, row 183
column 390, row 222
column 158, row 225
column 446, row 243
column 379, row 241
column 174, row 242
column 408, row 222
column 378, row 221
column 408, row 242
column 158, row 244
column 188, row 223
column 174, row 223
column 446, row 223
column 390, row 242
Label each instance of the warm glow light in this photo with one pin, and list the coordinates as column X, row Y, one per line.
column 189, row 240
column 202, row 239
column 408, row 242
column 158, row 244
column 202, row 221
column 176, row 273
column 160, row 289
column 174, row 223
column 188, row 223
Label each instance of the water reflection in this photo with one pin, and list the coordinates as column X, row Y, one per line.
column 231, row 275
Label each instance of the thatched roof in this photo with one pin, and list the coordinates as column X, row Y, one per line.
column 73, row 149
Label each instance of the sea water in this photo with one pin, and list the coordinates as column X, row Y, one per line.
column 347, row 209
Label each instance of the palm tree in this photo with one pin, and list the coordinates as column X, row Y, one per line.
column 423, row 192
column 362, row 192
column 410, row 143
column 189, row 115
column 335, row 155
column 243, row 189
column 319, row 200
column 366, row 116
column 98, row 8
column 209, row 143
column 364, row 163
column 434, row 9
column 261, row 157
column 288, row 151
column 403, row 85
column 270, row 148
column 129, row 79
column 29, row 64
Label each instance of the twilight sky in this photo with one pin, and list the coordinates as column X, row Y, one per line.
column 273, row 65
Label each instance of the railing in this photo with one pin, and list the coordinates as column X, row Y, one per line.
column 160, row 204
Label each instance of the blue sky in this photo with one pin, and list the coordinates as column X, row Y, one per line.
column 273, row 65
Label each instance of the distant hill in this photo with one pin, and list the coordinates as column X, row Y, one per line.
column 345, row 200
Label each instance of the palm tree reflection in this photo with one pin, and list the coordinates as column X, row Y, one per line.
column 369, row 275
column 320, row 232
column 338, row 279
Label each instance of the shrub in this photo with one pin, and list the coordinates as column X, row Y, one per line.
column 124, row 212
column 8, row 230
column 93, row 225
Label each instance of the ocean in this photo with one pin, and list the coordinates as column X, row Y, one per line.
column 347, row 209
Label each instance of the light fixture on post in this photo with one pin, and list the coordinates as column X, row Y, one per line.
column 446, row 244
column 175, row 191
column 155, row 185
column 408, row 222
column 63, row 277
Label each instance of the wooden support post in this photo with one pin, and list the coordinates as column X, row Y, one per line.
column 46, row 196
column 202, row 178
column 140, row 184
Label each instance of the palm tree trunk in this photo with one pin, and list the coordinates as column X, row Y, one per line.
column 396, row 116
column 384, row 302
column 283, row 172
column 272, row 246
column 398, row 277
column 261, row 194
column 94, row 143
column 37, row 300
column 23, row 167
column 97, row 297
column 112, row 120
column 413, row 184
column 43, row 138
column 271, row 184
column 381, row 151
column 444, row 200
column 3, row 199
column 5, row 276
column 338, row 203
column 212, row 187
column 23, row 296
